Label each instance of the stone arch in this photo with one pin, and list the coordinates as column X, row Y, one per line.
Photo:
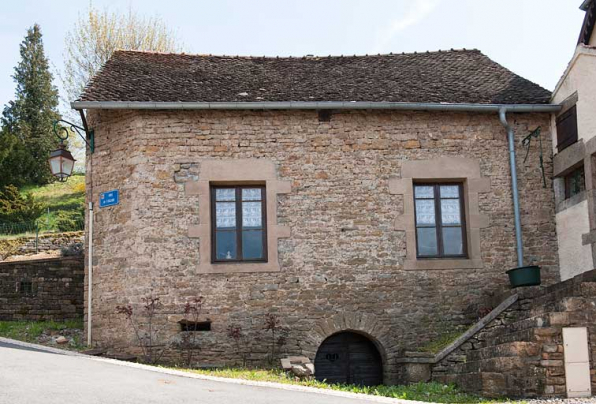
column 365, row 324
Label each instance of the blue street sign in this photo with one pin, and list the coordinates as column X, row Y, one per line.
column 109, row 198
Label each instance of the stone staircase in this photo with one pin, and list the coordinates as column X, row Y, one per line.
column 519, row 352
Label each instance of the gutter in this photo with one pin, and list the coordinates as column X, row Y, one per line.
column 314, row 105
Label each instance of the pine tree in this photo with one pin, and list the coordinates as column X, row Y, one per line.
column 27, row 121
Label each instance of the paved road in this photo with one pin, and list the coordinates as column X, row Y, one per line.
column 31, row 376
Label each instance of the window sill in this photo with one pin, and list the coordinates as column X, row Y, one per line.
column 233, row 267
column 569, row 202
column 442, row 263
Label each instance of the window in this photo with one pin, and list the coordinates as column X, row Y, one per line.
column 566, row 129
column 238, row 224
column 575, row 182
column 26, row 288
column 440, row 229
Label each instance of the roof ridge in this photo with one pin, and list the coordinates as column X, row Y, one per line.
column 310, row 56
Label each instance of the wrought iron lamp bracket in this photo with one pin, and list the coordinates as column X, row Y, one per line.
column 527, row 143
column 89, row 139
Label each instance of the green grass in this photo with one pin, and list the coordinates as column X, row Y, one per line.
column 59, row 195
column 64, row 207
column 29, row 331
column 441, row 342
column 429, row 392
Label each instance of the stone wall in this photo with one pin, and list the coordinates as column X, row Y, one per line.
column 521, row 352
column 45, row 242
column 342, row 266
column 49, row 289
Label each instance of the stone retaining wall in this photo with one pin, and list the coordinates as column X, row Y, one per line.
column 45, row 242
column 521, row 353
column 49, row 289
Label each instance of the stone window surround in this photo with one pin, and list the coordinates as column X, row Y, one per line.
column 232, row 171
column 443, row 169
column 563, row 163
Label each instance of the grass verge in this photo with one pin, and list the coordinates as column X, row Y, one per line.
column 31, row 331
column 429, row 392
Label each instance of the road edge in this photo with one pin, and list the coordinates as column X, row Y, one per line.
column 181, row 373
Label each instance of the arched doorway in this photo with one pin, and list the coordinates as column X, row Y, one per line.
column 348, row 357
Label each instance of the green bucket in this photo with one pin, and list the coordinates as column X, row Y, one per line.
column 524, row 276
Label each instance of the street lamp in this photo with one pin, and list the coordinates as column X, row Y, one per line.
column 61, row 160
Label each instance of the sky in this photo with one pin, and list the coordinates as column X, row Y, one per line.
column 533, row 38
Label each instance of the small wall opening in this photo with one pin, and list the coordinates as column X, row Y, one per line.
column 186, row 325
column 26, row 288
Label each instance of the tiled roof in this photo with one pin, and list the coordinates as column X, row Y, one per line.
column 456, row 76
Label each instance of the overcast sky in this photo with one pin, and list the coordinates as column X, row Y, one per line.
column 533, row 38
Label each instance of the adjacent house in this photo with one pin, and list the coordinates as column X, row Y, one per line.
column 369, row 202
column 574, row 144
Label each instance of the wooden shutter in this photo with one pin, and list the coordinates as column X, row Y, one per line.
column 566, row 129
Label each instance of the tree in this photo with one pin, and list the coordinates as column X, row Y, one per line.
column 15, row 208
column 27, row 136
column 98, row 34
column 13, row 158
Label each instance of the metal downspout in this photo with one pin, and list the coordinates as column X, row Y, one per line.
column 511, row 140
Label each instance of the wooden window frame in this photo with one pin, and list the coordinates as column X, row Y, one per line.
column 438, row 220
column 567, row 131
column 238, row 201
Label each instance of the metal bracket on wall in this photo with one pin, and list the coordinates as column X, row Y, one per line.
column 89, row 139
column 527, row 143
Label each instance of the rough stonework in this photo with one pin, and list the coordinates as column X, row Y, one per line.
column 521, row 352
column 45, row 242
column 342, row 264
column 49, row 289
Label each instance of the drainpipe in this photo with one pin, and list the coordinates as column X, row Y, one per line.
column 511, row 139
column 90, row 277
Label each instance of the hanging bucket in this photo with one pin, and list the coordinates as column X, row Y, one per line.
column 524, row 276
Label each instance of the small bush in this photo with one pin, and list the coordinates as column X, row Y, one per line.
column 72, row 250
column 69, row 220
column 79, row 188
column 15, row 208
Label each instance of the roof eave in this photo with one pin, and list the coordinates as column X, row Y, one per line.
column 314, row 105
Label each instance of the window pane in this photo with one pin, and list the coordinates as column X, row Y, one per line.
column 252, row 244
column 225, row 245
column 449, row 191
column 422, row 191
column 225, row 194
column 251, row 194
column 427, row 241
column 452, row 241
column 425, row 211
column 450, row 211
column 251, row 215
column 225, row 215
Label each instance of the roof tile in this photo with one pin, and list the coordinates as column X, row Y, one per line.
column 460, row 76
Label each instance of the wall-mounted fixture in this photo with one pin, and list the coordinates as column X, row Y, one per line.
column 61, row 160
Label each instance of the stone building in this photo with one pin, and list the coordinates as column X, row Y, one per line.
column 365, row 201
column 574, row 145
